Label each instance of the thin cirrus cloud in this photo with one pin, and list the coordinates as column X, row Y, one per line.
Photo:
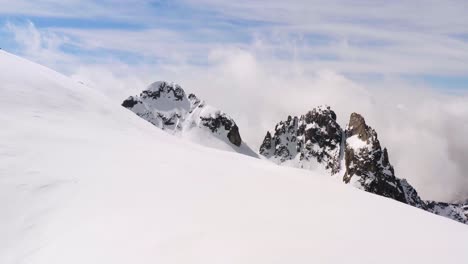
column 263, row 61
column 105, row 9
column 360, row 37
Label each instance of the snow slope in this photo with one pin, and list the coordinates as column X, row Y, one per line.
column 83, row 180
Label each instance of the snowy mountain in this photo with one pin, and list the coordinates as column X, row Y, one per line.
column 167, row 106
column 83, row 180
column 316, row 141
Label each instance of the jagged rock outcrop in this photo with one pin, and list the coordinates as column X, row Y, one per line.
column 167, row 106
column 367, row 165
column 223, row 121
column 306, row 140
column 411, row 195
column 458, row 212
column 354, row 155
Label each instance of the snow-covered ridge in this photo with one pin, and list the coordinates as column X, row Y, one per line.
column 167, row 106
column 354, row 155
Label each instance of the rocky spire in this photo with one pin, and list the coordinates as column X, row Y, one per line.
column 357, row 126
column 367, row 165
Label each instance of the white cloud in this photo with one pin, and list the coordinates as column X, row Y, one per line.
column 40, row 46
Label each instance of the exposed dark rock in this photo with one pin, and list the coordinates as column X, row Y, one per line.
column 266, row 145
column 129, row 102
column 411, row 195
column 234, row 136
column 311, row 138
column 457, row 212
column 194, row 100
column 357, row 126
column 222, row 121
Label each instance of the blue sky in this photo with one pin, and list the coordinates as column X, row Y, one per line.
column 361, row 39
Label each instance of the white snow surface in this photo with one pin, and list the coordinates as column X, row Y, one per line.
column 356, row 143
column 83, row 180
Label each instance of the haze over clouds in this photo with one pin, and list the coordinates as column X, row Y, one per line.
column 402, row 65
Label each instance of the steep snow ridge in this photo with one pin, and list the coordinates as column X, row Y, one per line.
column 167, row 106
column 83, row 180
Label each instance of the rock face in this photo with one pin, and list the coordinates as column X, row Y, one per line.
column 411, row 195
column 316, row 140
column 167, row 106
column 458, row 212
column 223, row 121
column 367, row 165
column 303, row 141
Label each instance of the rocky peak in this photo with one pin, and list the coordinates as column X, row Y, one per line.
column 357, row 126
column 266, row 145
column 167, row 106
column 306, row 141
column 367, row 165
column 165, row 89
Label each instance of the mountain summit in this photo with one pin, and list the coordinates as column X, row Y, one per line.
column 305, row 141
column 316, row 141
column 167, row 106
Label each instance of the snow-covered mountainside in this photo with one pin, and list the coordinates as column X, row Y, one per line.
column 316, row 140
column 167, row 106
column 83, row 180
